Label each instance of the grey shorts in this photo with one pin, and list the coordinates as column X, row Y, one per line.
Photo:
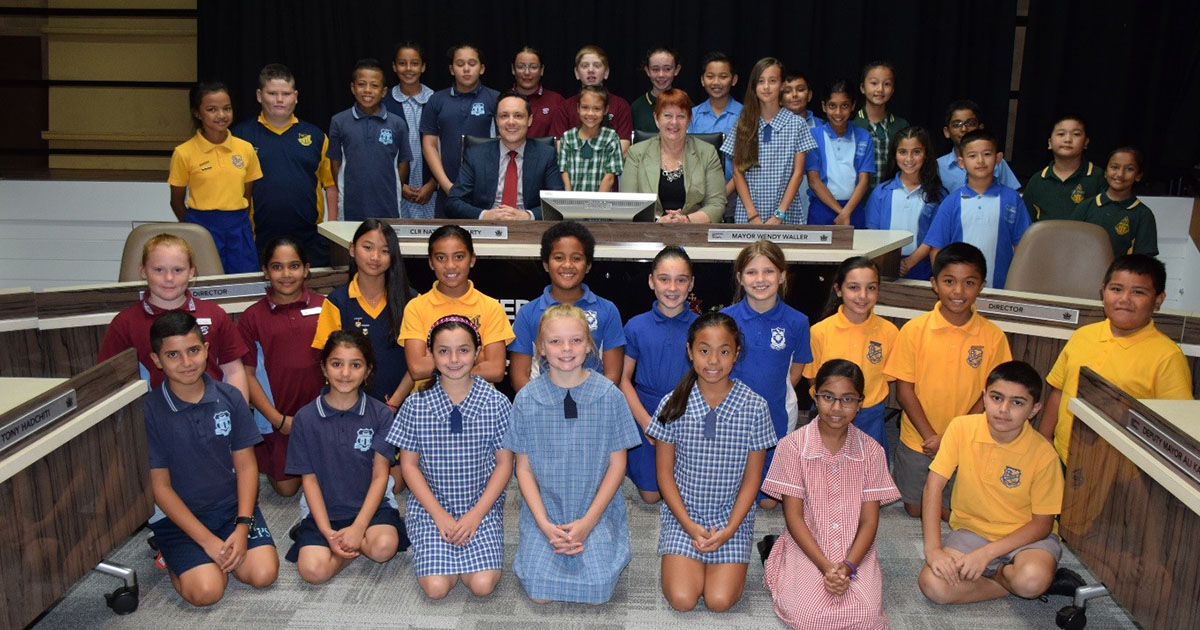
column 911, row 469
column 967, row 541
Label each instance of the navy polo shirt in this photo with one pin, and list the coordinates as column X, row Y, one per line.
column 369, row 146
column 339, row 446
column 288, row 199
column 773, row 341
column 195, row 442
column 389, row 355
column 451, row 114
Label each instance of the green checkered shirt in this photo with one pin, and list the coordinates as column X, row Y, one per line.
column 586, row 173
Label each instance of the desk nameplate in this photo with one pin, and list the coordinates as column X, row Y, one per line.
column 422, row 231
column 13, row 432
column 786, row 237
column 1184, row 457
column 224, row 291
column 1023, row 310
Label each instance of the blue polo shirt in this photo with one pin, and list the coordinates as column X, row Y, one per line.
column 451, row 114
column 369, row 146
column 839, row 159
column 994, row 222
column 954, row 177
column 339, row 446
column 773, row 341
column 892, row 207
column 704, row 120
column 659, row 345
column 289, row 199
column 195, row 443
column 602, row 316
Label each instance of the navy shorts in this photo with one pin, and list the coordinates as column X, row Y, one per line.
column 181, row 553
column 308, row 533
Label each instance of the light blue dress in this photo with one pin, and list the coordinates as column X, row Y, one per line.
column 569, row 458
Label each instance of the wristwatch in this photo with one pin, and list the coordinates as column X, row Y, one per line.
column 780, row 213
column 248, row 521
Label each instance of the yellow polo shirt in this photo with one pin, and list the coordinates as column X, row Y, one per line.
column 868, row 344
column 947, row 364
column 485, row 312
column 999, row 487
column 214, row 174
column 1146, row 364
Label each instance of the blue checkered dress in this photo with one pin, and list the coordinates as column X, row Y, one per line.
column 457, row 467
column 767, row 181
column 709, row 472
column 569, row 459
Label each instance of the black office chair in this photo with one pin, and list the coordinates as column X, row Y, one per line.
column 470, row 141
column 714, row 139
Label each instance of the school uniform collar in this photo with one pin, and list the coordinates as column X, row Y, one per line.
column 359, row 114
column 587, row 298
column 1129, row 204
column 813, row 448
column 939, row 321
column 732, row 108
column 325, row 410
column 438, row 298
column 420, row 97
column 779, row 121
column 770, row 313
column 454, row 91
column 895, row 184
column 467, row 407
column 174, row 402
column 839, row 319
column 650, row 98
column 537, row 93
column 696, row 401
column 305, row 297
column 1085, row 169
column 661, row 318
column 262, row 120
column 827, row 129
column 352, row 290
column 1128, row 341
column 966, row 192
column 189, row 304
column 1020, row 445
column 206, row 146
column 886, row 121
column 545, row 392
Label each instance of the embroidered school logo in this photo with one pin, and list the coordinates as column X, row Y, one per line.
column 1010, row 214
column 475, row 322
column 591, row 320
column 238, row 162
column 477, row 109
column 778, row 339
column 385, row 136
column 1077, row 194
column 363, row 441
column 860, row 149
column 545, row 110
column 975, row 356
column 305, row 139
column 1122, row 227
column 221, row 423
column 1011, row 477
column 874, row 352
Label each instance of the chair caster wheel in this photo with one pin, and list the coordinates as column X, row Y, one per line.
column 124, row 600
column 1071, row 618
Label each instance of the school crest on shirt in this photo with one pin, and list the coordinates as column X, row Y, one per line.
column 1077, row 194
column 1122, row 227
column 545, row 110
column 305, row 139
column 221, row 423
column 238, row 162
column 591, row 320
column 860, row 149
column 477, row 109
column 975, row 356
column 1011, row 477
column 874, row 351
column 385, row 136
column 363, row 441
column 1009, row 214
column 778, row 339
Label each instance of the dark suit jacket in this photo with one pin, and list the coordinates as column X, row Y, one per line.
column 479, row 177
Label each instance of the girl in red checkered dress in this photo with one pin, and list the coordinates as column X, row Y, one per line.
column 832, row 478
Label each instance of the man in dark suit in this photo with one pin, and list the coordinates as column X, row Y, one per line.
column 502, row 179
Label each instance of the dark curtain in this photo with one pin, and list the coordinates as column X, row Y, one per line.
column 942, row 49
column 1131, row 69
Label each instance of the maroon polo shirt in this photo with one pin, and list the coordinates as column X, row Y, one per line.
column 619, row 116
column 283, row 334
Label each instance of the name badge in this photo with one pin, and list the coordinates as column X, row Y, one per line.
column 316, row 310
column 204, row 321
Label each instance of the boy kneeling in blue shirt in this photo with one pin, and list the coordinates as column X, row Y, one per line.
column 203, row 473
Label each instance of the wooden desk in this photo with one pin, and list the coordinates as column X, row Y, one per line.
column 1128, row 512
column 74, row 489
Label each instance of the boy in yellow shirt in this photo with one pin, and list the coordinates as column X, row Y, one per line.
column 1125, row 348
column 940, row 362
column 1009, row 488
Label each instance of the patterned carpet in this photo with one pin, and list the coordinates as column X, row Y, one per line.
column 367, row 595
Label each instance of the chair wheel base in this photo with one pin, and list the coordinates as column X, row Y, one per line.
column 124, row 600
column 1071, row 618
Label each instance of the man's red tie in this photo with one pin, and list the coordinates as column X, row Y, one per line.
column 509, row 198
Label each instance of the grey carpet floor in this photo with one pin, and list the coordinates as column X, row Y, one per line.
column 369, row 595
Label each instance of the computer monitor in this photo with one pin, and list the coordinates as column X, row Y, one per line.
column 597, row 206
